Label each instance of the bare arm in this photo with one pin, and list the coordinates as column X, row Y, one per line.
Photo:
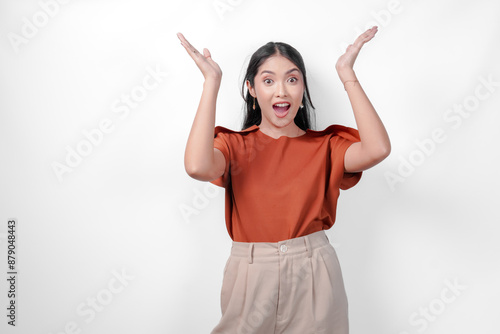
column 375, row 145
column 201, row 160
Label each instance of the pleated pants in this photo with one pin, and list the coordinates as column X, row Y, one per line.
column 293, row 286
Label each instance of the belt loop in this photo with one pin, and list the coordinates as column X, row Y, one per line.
column 308, row 246
column 250, row 249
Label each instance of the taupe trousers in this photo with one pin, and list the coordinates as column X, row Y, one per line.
column 293, row 286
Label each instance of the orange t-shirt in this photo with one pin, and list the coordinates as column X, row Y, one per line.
column 278, row 189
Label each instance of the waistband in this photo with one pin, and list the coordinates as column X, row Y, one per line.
column 304, row 244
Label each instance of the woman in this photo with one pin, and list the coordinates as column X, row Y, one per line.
column 282, row 181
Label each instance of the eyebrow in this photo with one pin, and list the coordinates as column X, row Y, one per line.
column 287, row 72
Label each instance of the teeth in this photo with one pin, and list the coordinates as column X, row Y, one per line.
column 282, row 104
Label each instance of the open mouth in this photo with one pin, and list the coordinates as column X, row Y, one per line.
column 281, row 109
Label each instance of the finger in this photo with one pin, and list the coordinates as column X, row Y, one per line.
column 370, row 33
column 206, row 53
column 365, row 37
column 188, row 45
column 183, row 40
column 191, row 49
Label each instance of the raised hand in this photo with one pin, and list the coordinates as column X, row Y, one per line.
column 208, row 67
column 345, row 63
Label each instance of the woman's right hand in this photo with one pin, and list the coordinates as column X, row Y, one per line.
column 208, row 67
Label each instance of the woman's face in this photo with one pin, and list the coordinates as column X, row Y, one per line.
column 278, row 88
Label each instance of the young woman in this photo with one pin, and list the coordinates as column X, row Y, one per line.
column 282, row 182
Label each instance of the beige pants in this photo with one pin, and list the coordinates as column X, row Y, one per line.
column 293, row 286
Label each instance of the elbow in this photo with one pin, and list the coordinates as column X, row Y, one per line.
column 193, row 172
column 197, row 173
column 379, row 154
column 190, row 170
column 385, row 151
column 192, row 167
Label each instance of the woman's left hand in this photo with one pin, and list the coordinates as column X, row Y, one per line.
column 345, row 63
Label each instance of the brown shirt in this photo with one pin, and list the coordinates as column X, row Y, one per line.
column 278, row 189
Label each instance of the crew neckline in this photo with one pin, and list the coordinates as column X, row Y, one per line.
column 283, row 136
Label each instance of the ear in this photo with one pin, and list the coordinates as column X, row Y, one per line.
column 251, row 90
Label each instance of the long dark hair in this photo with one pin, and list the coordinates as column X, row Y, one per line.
column 254, row 117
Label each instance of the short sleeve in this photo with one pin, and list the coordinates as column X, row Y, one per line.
column 342, row 138
column 221, row 143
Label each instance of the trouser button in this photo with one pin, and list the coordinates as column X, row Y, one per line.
column 283, row 248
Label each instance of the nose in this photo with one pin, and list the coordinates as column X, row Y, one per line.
column 281, row 89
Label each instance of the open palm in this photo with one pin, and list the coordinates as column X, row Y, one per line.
column 346, row 61
column 207, row 66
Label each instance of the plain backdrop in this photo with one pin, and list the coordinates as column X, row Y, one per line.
column 97, row 102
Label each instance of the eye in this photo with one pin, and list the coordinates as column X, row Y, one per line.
column 267, row 81
column 293, row 79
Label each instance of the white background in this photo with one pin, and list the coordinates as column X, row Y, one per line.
column 122, row 208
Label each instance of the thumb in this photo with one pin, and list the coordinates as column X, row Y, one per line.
column 206, row 53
